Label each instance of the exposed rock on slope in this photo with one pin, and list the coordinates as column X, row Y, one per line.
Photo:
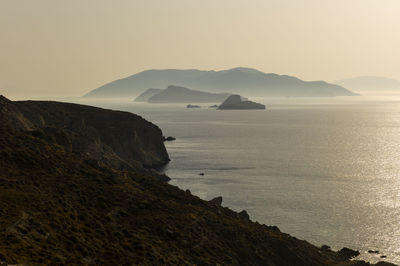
column 121, row 139
column 175, row 94
column 235, row 102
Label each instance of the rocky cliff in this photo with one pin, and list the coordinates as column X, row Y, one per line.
column 118, row 138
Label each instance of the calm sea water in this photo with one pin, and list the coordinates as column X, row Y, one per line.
column 323, row 170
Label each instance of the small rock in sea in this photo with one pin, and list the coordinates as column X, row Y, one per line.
column 325, row 247
column 216, row 201
column 244, row 214
column 347, row 253
column 383, row 256
column 373, row 251
column 170, row 138
column 201, row 174
column 236, row 102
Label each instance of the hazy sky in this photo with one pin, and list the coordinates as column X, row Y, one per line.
column 68, row 47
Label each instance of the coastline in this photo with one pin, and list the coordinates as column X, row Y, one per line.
column 162, row 219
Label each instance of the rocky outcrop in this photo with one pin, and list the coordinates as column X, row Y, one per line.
column 169, row 138
column 235, row 102
column 216, row 201
column 243, row 214
column 121, row 139
column 348, row 253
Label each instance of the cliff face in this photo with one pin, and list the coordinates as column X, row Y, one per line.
column 121, row 139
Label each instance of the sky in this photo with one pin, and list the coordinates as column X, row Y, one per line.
column 65, row 48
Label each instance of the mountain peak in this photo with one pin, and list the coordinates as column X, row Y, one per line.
column 176, row 88
column 246, row 70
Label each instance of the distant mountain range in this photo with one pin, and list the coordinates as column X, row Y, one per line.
column 371, row 83
column 176, row 94
column 237, row 80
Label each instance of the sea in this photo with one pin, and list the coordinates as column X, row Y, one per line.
column 326, row 170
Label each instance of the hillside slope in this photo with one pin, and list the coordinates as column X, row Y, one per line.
column 176, row 94
column 118, row 138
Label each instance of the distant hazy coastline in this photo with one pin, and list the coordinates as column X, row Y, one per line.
column 247, row 81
